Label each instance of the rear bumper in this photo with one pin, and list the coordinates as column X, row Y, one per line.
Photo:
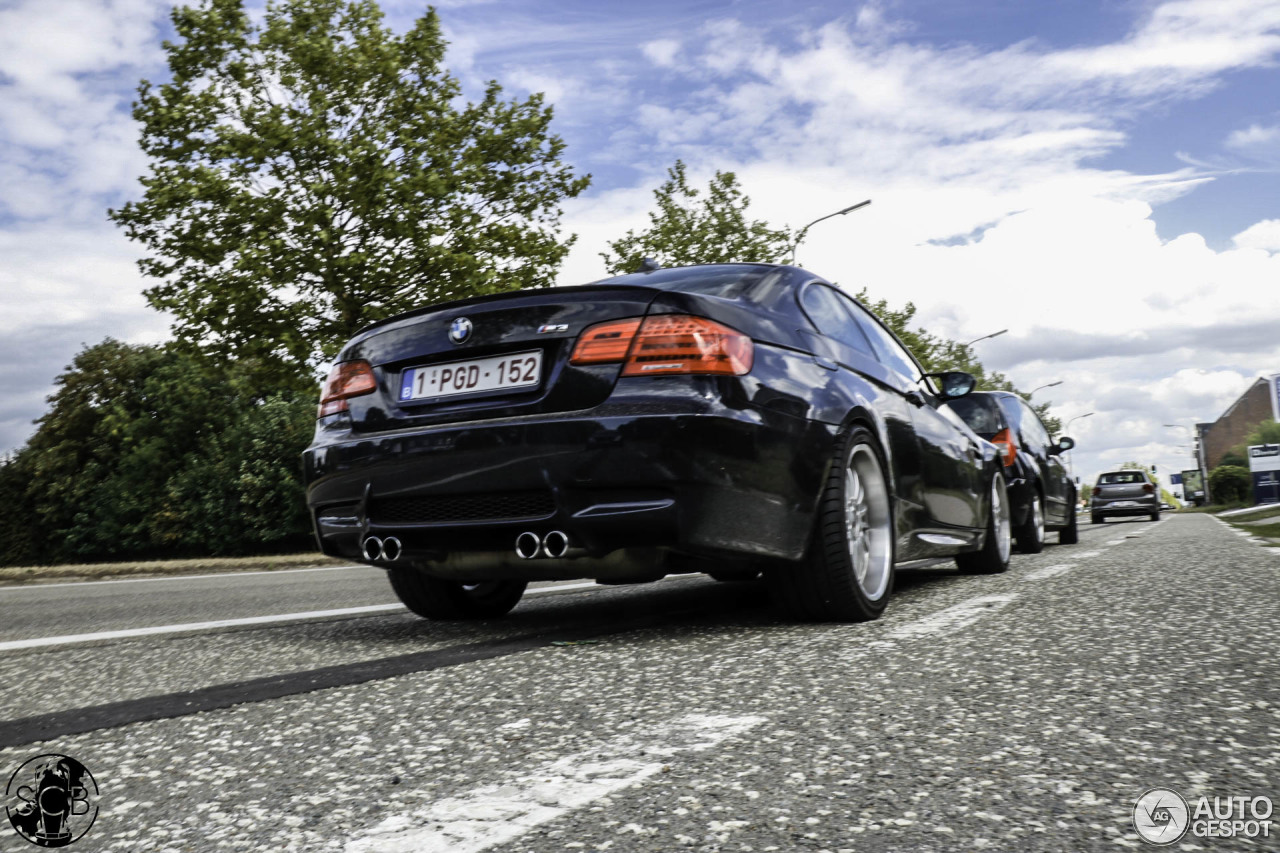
column 718, row 481
column 1109, row 509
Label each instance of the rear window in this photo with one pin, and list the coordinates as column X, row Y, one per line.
column 979, row 413
column 729, row 281
column 1122, row 477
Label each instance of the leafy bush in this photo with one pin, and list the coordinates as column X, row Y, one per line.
column 1230, row 484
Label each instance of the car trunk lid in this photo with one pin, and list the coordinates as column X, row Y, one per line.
column 488, row 357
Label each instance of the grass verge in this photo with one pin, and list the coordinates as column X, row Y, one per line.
column 160, row 568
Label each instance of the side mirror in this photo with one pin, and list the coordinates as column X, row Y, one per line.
column 955, row 383
column 1064, row 444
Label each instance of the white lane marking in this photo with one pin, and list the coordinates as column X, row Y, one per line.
column 953, row 618
column 128, row 633
column 180, row 577
column 495, row 814
column 1083, row 554
column 1049, row 572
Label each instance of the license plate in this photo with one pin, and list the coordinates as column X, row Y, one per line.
column 495, row 373
column 1124, row 503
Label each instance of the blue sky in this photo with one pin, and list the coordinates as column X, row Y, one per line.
column 1101, row 178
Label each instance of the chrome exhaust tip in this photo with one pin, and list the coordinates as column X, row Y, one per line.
column 555, row 544
column 528, row 545
column 391, row 549
column 371, row 549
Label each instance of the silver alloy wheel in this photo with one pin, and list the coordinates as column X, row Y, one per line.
column 1000, row 518
column 866, row 518
column 1037, row 518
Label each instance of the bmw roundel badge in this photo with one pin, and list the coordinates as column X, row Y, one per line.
column 460, row 330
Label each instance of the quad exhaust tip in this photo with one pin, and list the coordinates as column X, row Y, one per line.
column 377, row 550
column 528, row 545
column 554, row 545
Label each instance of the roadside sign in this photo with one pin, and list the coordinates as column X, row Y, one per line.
column 1264, row 464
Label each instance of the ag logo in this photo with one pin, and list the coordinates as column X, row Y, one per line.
column 51, row 800
column 1161, row 816
column 460, row 330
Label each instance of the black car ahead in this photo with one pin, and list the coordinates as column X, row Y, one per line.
column 1041, row 493
column 725, row 418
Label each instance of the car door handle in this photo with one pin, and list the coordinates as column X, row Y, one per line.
column 916, row 398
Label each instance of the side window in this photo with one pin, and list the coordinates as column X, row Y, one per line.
column 824, row 307
column 888, row 349
column 1031, row 427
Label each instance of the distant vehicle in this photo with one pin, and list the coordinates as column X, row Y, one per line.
column 1041, row 492
column 1124, row 493
column 727, row 419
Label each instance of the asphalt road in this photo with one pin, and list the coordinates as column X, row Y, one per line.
column 1025, row 711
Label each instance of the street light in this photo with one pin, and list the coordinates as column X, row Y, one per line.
column 800, row 235
column 1076, row 418
column 1050, row 385
column 984, row 337
column 1071, row 465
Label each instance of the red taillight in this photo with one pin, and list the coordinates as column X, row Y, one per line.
column 605, row 342
column 1008, row 448
column 1148, row 488
column 1097, row 491
column 665, row 344
column 347, row 379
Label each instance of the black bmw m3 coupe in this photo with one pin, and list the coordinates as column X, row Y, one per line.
column 732, row 419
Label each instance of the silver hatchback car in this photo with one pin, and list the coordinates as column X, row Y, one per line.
column 1121, row 493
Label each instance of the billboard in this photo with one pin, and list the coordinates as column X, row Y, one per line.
column 1264, row 464
column 1193, row 487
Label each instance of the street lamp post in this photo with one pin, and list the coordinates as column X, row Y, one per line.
column 1042, row 387
column 1071, row 465
column 984, row 337
column 800, row 235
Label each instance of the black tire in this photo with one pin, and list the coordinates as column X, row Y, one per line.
column 1030, row 534
column 1070, row 534
column 453, row 600
column 997, row 545
column 1155, row 516
column 847, row 573
column 1096, row 519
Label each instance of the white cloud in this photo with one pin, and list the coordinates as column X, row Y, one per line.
column 1261, row 235
column 1254, row 136
column 661, row 52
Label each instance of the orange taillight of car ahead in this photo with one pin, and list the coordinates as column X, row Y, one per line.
column 347, row 379
column 665, row 344
column 605, row 342
column 1003, row 441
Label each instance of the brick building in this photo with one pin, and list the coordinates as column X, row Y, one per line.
column 1254, row 406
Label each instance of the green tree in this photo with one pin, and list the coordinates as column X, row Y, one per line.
column 1230, row 484
column 693, row 226
column 153, row 451
column 314, row 172
column 241, row 490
